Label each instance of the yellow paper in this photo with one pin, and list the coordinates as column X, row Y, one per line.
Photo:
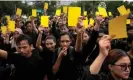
column 65, row 9
column 128, row 11
column 58, row 12
column 85, row 13
column 85, row 23
column 97, row 13
column 34, row 12
column 122, row 10
column 19, row 11
column 102, row 11
column 117, row 27
column 11, row 26
column 44, row 21
column 8, row 18
column 73, row 14
column 45, row 5
column 128, row 21
column 110, row 13
column 91, row 22
column 3, row 29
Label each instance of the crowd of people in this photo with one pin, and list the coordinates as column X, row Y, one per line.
column 62, row 52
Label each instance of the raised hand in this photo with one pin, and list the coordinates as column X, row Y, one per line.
column 105, row 44
column 40, row 29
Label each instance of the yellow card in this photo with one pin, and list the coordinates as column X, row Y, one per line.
column 19, row 11
column 11, row 26
column 128, row 21
column 118, row 29
column 91, row 22
column 65, row 9
column 85, row 13
column 110, row 13
column 97, row 13
column 58, row 12
column 34, row 12
column 8, row 18
column 102, row 11
column 44, row 21
column 85, row 23
column 73, row 14
column 3, row 29
column 122, row 10
column 128, row 11
column 45, row 5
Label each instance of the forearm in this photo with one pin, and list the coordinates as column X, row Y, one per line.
column 3, row 54
column 17, row 24
column 39, row 39
column 34, row 26
column 78, row 45
column 57, row 65
column 97, row 64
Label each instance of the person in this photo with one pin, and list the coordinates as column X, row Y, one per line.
column 16, row 34
column 46, row 51
column 65, row 58
column 29, row 65
column 31, row 30
column 117, row 62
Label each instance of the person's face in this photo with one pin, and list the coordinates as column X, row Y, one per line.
column 16, row 34
column 65, row 41
column 122, row 68
column 50, row 44
column 29, row 27
column 24, row 48
column 85, row 37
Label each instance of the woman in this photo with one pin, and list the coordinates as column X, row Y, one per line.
column 16, row 34
column 117, row 61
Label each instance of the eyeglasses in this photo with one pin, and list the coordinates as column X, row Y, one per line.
column 124, row 66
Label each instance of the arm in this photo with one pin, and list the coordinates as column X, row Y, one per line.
column 39, row 39
column 34, row 26
column 38, row 42
column 78, row 45
column 3, row 54
column 17, row 21
column 104, row 44
column 87, row 49
column 58, row 61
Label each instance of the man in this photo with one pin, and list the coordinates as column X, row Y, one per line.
column 29, row 65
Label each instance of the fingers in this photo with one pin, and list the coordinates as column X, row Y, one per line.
column 108, row 37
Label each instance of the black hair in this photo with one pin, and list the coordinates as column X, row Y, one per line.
column 113, row 57
column 65, row 33
column 50, row 37
column 24, row 37
column 27, row 22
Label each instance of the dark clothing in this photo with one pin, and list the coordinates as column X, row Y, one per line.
column 47, row 56
column 33, row 36
column 88, row 48
column 31, row 68
column 102, row 76
column 69, row 65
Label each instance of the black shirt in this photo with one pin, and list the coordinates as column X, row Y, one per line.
column 47, row 56
column 31, row 68
column 68, row 69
